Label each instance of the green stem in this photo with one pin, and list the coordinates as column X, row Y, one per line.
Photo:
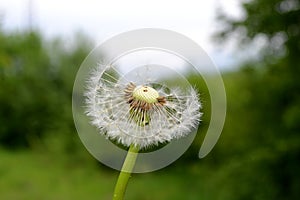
column 125, row 173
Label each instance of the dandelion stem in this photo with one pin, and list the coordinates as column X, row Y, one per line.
column 125, row 173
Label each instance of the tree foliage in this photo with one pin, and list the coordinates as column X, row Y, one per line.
column 269, row 96
column 36, row 80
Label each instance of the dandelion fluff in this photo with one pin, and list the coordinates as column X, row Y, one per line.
column 143, row 115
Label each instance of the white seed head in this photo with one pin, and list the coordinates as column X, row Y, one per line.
column 143, row 115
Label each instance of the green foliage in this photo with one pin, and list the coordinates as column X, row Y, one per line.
column 264, row 103
column 35, row 89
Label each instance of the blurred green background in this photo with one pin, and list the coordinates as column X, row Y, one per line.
column 257, row 156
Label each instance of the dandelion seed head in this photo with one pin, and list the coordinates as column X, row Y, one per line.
column 144, row 115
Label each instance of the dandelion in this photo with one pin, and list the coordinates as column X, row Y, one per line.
column 142, row 115
column 139, row 116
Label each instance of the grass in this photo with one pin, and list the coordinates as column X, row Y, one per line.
column 27, row 175
column 35, row 175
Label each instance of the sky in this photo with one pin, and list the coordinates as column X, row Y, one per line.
column 101, row 20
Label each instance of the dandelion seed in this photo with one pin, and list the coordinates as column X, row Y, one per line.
column 140, row 115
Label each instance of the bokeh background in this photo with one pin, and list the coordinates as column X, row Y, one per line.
column 256, row 45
